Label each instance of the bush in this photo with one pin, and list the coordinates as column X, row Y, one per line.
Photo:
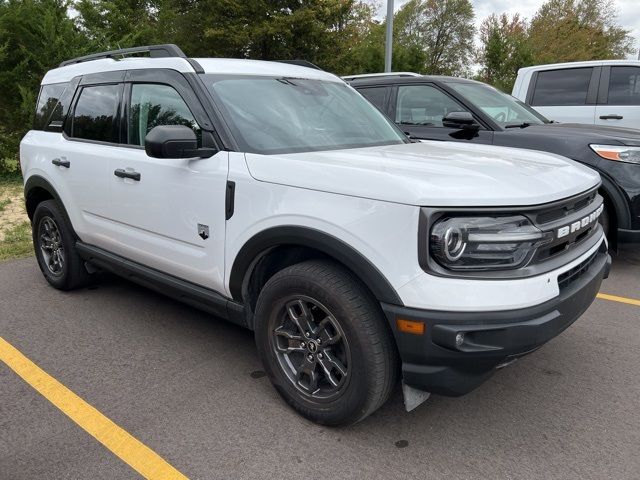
column 9, row 167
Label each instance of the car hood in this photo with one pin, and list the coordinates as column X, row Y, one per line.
column 431, row 174
column 584, row 132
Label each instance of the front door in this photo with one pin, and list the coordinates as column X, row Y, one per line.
column 419, row 110
column 168, row 214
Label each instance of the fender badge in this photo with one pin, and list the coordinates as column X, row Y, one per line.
column 203, row 231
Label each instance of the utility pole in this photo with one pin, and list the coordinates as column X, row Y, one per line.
column 388, row 46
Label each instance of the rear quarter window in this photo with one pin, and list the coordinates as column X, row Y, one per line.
column 566, row 87
column 49, row 107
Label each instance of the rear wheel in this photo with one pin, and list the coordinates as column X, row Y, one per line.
column 54, row 245
column 324, row 343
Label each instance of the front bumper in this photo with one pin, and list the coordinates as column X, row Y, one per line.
column 434, row 363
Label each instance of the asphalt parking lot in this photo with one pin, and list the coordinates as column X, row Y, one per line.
column 191, row 389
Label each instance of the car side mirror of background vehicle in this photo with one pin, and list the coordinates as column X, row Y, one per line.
column 174, row 141
column 460, row 121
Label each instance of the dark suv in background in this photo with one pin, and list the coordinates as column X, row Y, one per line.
column 461, row 110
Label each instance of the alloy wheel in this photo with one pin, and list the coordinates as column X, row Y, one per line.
column 311, row 348
column 51, row 246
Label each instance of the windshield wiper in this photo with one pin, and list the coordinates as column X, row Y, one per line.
column 416, row 123
column 518, row 125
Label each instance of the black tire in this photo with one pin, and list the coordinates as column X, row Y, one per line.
column 357, row 341
column 54, row 245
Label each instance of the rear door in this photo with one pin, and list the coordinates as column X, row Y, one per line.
column 566, row 95
column 619, row 97
column 418, row 109
column 83, row 152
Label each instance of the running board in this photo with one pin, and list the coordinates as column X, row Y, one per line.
column 197, row 296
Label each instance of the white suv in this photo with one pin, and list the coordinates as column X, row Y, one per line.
column 602, row 92
column 277, row 197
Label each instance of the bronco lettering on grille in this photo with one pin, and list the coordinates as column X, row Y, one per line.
column 580, row 224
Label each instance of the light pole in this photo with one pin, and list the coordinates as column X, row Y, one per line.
column 388, row 46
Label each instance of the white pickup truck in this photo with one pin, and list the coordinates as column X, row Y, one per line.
column 603, row 92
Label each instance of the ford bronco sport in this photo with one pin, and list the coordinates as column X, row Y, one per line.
column 275, row 196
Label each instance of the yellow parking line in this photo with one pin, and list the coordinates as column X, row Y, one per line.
column 614, row 298
column 130, row 450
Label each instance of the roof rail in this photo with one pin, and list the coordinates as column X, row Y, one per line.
column 387, row 74
column 155, row 51
column 300, row 63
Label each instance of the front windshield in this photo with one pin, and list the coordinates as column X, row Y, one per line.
column 503, row 108
column 285, row 115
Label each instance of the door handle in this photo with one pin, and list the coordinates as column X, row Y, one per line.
column 124, row 174
column 611, row 117
column 61, row 163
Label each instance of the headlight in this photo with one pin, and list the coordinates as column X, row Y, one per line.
column 618, row 152
column 485, row 243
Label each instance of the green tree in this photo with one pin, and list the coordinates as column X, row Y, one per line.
column 505, row 48
column 113, row 24
column 35, row 36
column 574, row 30
column 326, row 32
column 438, row 33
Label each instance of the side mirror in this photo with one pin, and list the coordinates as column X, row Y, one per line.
column 174, row 141
column 460, row 121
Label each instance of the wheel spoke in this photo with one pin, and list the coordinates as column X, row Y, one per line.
column 307, row 370
column 328, row 374
column 52, row 262
column 46, row 243
column 61, row 258
column 330, row 363
column 291, row 342
column 328, row 333
column 300, row 316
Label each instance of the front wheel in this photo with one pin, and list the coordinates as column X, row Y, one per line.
column 324, row 343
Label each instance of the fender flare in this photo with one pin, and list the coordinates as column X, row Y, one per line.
column 264, row 241
column 36, row 181
column 619, row 203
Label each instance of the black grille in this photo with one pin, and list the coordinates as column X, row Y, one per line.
column 570, row 276
column 563, row 214
column 557, row 212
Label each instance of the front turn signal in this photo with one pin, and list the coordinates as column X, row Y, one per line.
column 410, row 326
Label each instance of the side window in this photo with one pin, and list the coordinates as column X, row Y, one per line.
column 48, row 102
column 624, row 86
column 424, row 105
column 153, row 105
column 95, row 113
column 562, row 87
column 376, row 95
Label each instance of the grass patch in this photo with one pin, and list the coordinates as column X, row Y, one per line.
column 9, row 169
column 15, row 229
column 17, row 242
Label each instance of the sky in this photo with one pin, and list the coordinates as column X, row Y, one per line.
column 628, row 12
